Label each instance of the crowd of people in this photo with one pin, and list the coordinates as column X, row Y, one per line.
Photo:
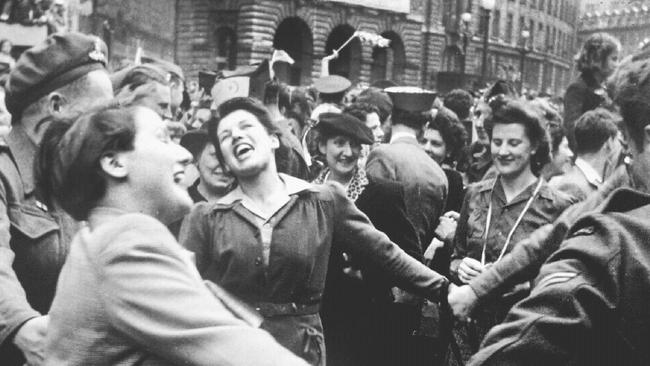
column 152, row 219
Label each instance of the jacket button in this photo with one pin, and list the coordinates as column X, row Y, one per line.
column 258, row 261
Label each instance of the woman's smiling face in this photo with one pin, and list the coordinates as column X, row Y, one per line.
column 341, row 153
column 511, row 149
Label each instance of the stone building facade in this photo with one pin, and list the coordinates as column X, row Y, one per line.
column 223, row 34
column 630, row 24
column 547, row 53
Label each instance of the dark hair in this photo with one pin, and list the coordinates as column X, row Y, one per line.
column 248, row 104
column 460, row 102
column 414, row 120
column 557, row 134
column 452, row 132
column 593, row 129
column 630, row 89
column 595, row 51
column 552, row 121
column 361, row 110
column 67, row 166
column 511, row 111
column 334, row 98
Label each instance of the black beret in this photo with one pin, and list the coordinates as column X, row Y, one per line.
column 411, row 99
column 58, row 61
column 346, row 125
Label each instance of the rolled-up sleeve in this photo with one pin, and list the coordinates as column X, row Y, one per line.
column 355, row 233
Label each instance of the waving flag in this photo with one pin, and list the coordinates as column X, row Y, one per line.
column 372, row 39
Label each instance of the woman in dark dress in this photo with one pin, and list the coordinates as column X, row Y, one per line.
column 269, row 240
column 444, row 140
column 352, row 296
column 597, row 60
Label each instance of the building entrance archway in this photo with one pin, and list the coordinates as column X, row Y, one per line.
column 295, row 38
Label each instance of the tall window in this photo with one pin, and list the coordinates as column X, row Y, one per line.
column 522, row 26
column 226, row 48
column 541, row 5
column 531, row 28
column 509, row 28
column 496, row 24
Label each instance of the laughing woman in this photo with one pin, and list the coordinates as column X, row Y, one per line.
column 269, row 240
column 498, row 213
column 128, row 293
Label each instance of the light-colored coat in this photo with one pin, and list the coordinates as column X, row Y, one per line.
column 129, row 294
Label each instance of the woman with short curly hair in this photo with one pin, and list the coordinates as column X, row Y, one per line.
column 596, row 61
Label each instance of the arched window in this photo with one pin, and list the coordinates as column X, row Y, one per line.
column 348, row 64
column 294, row 37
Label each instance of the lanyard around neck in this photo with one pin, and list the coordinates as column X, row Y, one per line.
column 514, row 227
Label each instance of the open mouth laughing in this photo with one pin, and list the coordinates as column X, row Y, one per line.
column 242, row 150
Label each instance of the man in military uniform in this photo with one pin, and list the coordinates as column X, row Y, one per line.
column 64, row 75
column 590, row 302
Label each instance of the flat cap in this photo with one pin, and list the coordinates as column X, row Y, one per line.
column 346, row 125
column 332, row 84
column 59, row 60
column 411, row 99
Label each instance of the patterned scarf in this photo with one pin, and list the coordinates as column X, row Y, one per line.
column 354, row 188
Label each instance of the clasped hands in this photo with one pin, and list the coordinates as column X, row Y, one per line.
column 462, row 299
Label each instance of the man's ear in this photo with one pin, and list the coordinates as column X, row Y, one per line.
column 114, row 165
column 56, row 102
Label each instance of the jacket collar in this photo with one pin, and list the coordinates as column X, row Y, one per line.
column 592, row 176
column 23, row 152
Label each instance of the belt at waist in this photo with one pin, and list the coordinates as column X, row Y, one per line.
column 268, row 309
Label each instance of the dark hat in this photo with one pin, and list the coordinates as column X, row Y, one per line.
column 411, row 99
column 332, row 84
column 167, row 66
column 347, row 125
column 61, row 59
column 379, row 99
column 194, row 141
column 383, row 84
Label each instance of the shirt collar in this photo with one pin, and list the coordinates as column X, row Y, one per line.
column 293, row 186
column 402, row 135
column 593, row 177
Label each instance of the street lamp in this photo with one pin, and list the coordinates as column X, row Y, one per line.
column 465, row 20
column 523, row 51
column 487, row 6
